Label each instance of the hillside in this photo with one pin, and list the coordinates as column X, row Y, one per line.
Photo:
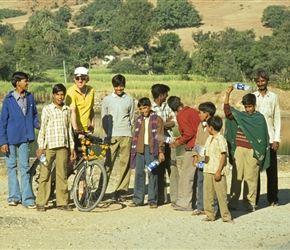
column 217, row 15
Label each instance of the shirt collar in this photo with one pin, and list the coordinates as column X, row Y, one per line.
column 17, row 96
column 87, row 92
column 154, row 105
column 123, row 96
column 64, row 107
column 266, row 94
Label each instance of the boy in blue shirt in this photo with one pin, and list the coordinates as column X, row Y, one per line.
column 17, row 123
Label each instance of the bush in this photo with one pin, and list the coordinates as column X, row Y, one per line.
column 7, row 13
column 125, row 66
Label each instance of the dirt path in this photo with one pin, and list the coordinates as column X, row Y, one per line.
column 117, row 226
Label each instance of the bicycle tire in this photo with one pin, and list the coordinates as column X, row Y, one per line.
column 34, row 175
column 88, row 192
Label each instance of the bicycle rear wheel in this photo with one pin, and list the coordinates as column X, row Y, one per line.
column 89, row 186
column 34, row 175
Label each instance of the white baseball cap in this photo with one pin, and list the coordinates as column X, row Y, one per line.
column 81, row 71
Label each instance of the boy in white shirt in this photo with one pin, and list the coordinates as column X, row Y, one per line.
column 214, row 172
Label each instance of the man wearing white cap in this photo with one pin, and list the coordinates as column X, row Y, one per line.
column 80, row 99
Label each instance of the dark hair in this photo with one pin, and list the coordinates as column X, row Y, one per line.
column 145, row 101
column 158, row 89
column 260, row 73
column 58, row 88
column 207, row 107
column 118, row 80
column 249, row 99
column 17, row 77
column 174, row 102
column 216, row 122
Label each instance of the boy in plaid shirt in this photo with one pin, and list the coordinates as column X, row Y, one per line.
column 55, row 140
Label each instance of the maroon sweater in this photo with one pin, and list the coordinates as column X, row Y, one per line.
column 188, row 122
column 241, row 139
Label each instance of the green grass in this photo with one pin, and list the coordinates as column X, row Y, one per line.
column 137, row 85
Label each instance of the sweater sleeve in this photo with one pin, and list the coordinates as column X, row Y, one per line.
column 160, row 130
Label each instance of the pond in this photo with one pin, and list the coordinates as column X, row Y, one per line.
column 284, row 148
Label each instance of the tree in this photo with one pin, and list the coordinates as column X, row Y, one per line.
column 85, row 45
column 7, row 58
column 62, row 16
column 98, row 14
column 275, row 15
column 133, row 26
column 168, row 57
column 176, row 14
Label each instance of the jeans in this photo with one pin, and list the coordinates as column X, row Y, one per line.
column 26, row 196
column 140, row 175
column 199, row 203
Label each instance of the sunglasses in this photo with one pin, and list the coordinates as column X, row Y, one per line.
column 81, row 78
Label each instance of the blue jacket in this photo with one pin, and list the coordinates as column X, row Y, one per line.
column 14, row 126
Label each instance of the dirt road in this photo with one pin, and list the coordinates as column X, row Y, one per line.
column 116, row 226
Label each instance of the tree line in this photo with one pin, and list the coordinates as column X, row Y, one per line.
column 229, row 55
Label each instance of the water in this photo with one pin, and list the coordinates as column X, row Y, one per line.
column 284, row 148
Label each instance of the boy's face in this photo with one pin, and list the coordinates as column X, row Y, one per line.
column 22, row 84
column 163, row 97
column 119, row 90
column 262, row 83
column 145, row 110
column 250, row 108
column 58, row 98
column 203, row 116
column 209, row 129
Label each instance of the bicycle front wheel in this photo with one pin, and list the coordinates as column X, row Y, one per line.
column 89, row 186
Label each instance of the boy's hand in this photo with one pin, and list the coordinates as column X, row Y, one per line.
column 229, row 90
column 275, row 145
column 217, row 176
column 169, row 118
column 39, row 152
column 195, row 160
column 72, row 155
column 161, row 157
column 174, row 144
column 4, row 149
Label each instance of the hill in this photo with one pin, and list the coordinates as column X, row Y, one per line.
column 217, row 15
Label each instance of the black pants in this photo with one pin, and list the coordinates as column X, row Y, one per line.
column 162, row 169
column 272, row 179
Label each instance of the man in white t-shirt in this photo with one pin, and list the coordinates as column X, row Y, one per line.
column 268, row 105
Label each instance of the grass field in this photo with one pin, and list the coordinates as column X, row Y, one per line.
column 136, row 85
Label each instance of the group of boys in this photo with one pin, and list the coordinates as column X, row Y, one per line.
column 250, row 142
column 249, row 152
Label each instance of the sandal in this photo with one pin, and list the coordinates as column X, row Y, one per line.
column 134, row 204
column 179, row 208
column 65, row 208
column 197, row 212
column 229, row 221
column 40, row 208
column 207, row 219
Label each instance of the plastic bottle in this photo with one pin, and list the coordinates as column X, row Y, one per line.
column 200, row 164
column 199, row 149
column 164, row 138
column 153, row 165
column 242, row 86
column 42, row 159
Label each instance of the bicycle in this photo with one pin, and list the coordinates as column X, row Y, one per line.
column 90, row 182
